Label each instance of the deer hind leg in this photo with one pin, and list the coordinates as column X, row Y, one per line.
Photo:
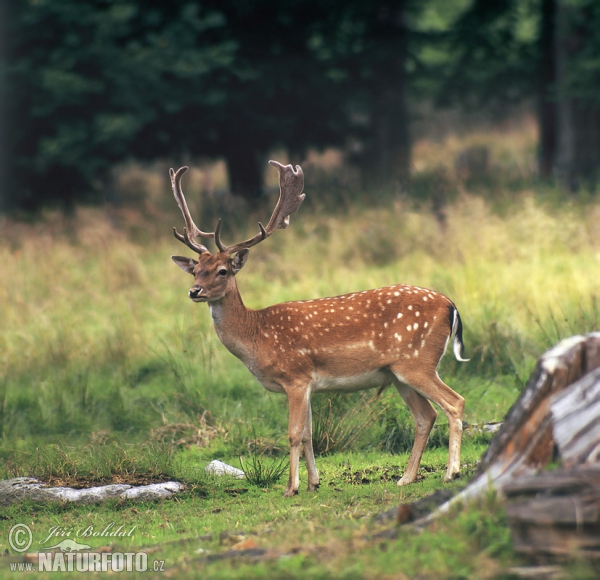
column 424, row 416
column 430, row 386
column 311, row 466
column 298, row 414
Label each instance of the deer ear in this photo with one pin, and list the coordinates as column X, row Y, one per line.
column 239, row 260
column 186, row 264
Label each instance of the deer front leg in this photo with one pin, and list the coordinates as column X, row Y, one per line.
column 298, row 410
column 311, row 466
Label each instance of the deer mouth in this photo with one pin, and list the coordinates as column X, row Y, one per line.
column 199, row 298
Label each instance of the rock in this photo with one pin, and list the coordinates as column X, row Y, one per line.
column 27, row 488
column 217, row 467
column 153, row 491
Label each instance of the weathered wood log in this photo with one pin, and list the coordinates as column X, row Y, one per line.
column 525, row 442
column 555, row 515
column 576, row 421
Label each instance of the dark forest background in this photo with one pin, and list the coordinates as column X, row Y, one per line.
column 87, row 86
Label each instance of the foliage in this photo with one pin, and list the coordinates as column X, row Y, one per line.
column 499, row 50
column 263, row 472
column 504, row 51
column 579, row 22
column 493, row 53
column 86, row 88
column 94, row 84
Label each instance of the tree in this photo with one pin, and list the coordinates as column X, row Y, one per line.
column 97, row 83
column 380, row 82
column 510, row 50
column 90, row 84
column 278, row 92
column 547, row 111
column 578, row 93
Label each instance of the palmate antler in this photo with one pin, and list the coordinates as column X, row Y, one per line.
column 291, row 184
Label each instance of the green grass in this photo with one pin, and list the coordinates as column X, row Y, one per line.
column 108, row 372
column 311, row 533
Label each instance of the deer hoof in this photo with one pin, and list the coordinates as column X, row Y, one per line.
column 403, row 481
column 450, row 477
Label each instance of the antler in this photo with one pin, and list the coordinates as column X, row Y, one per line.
column 190, row 231
column 291, row 184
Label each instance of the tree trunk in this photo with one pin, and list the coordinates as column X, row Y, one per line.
column 387, row 156
column 5, row 130
column 547, row 119
column 391, row 151
column 245, row 172
column 578, row 152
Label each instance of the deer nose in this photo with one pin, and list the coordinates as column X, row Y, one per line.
column 195, row 291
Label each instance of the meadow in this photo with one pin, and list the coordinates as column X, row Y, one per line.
column 108, row 372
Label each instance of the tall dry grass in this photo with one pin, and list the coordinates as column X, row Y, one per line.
column 97, row 332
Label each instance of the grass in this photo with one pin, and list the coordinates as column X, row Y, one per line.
column 109, row 373
column 263, row 472
column 312, row 532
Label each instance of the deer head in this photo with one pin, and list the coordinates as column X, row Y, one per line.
column 214, row 273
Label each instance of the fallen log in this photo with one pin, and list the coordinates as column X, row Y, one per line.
column 526, row 441
column 576, row 421
column 555, row 515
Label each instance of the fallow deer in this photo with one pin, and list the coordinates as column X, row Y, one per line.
column 393, row 335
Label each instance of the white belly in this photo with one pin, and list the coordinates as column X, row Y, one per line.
column 322, row 383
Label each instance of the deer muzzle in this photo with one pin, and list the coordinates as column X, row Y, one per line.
column 197, row 294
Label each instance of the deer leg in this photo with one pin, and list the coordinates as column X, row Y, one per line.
column 298, row 405
column 433, row 388
column 311, row 466
column 424, row 416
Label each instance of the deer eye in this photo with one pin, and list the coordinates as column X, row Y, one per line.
column 222, row 272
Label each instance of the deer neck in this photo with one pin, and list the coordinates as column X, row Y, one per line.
column 234, row 323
